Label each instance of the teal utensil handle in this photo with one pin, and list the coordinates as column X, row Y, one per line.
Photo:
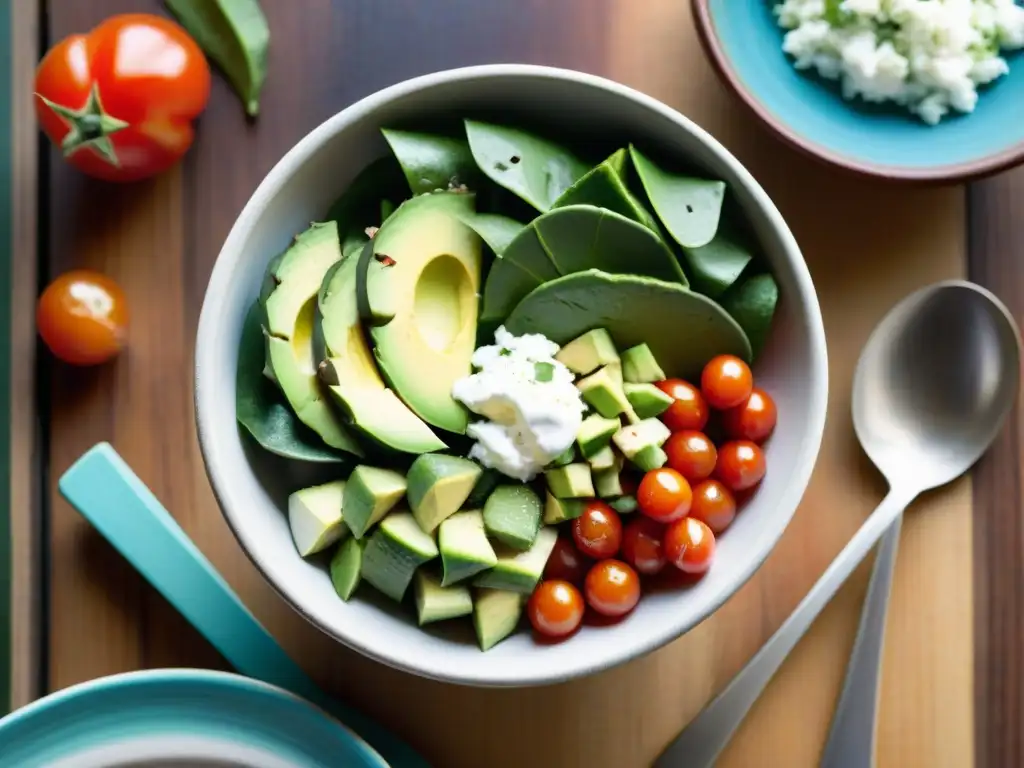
column 105, row 491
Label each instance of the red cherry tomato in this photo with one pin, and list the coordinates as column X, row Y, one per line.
column 120, row 100
column 612, row 588
column 641, row 545
column 566, row 563
column 690, row 545
column 82, row 317
column 664, row 495
column 741, row 465
column 555, row 608
column 691, row 454
column 713, row 505
column 726, row 382
column 598, row 531
column 753, row 419
column 689, row 411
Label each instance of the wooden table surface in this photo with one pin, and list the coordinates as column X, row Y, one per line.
column 954, row 681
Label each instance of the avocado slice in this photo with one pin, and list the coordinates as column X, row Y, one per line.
column 370, row 493
column 435, row 602
column 512, row 516
column 683, row 329
column 393, row 553
column 496, row 615
column 289, row 308
column 572, row 481
column 608, row 483
column 641, row 443
column 346, row 566
column 438, row 486
column 568, row 456
column 595, row 433
column 465, row 550
column 314, row 516
column 589, row 352
column 650, row 457
column 606, row 458
column 603, row 390
column 647, row 400
column 640, row 367
column 558, row 510
column 418, row 288
column 519, row 571
column 350, row 373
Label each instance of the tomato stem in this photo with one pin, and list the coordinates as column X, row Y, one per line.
column 88, row 127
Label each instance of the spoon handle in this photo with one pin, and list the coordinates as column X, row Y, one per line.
column 702, row 741
column 851, row 739
column 103, row 488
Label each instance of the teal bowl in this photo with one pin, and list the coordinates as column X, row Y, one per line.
column 744, row 43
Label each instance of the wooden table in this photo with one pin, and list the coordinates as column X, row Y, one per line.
column 954, row 677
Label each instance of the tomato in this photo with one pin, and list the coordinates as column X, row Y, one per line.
column 121, row 99
column 741, row 465
column 598, row 531
column 690, row 545
column 555, row 608
column 689, row 411
column 713, row 505
column 612, row 588
column 82, row 317
column 566, row 563
column 664, row 495
column 641, row 545
column 726, row 382
column 753, row 419
column 691, row 454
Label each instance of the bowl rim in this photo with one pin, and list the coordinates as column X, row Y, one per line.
column 210, row 319
column 955, row 172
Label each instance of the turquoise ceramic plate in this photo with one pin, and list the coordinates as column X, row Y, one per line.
column 744, row 43
column 183, row 718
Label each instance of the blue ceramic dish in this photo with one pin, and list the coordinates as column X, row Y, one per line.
column 744, row 43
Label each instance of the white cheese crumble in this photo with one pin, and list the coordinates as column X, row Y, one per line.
column 532, row 408
column 929, row 56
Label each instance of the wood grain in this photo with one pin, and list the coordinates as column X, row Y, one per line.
column 867, row 244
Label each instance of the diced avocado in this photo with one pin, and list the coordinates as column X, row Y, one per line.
column 519, row 571
column 588, row 352
column 346, row 566
column 438, row 485
column 606, row 458
column 595, row 433
column 465, row 550
column 512, row 515
column 572, row 481
column 624, row 505
column 496, row 615
column 650, row 457
column 418, row 293
column 558, row 510
column 602, row 391
column 290, row 290
column 568, row 456
column 634, row 438
column 435, row 602
column 370, row 494
column 607, row 483
column 393, row 553
column 647, row 400
column 314, row 515
column 640, row 367
column 489, row 480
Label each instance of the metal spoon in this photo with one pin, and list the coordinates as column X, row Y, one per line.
column 933, row 387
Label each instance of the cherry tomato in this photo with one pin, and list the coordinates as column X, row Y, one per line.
column 689, row 411
column 741, row 465
column 612, row 588
column 753, row 419
column 641, row 545
column 691, row 454
column 690, row 545
column 555, row 608
column 726, row 382
column 598, row 531
column 566, row 563
column 713, row 505
column 120, row 100
column 83, row 317
column 664, row 495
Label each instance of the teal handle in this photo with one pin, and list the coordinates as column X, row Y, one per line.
column 105, row 491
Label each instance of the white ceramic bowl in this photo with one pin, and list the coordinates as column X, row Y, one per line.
column 252, row 489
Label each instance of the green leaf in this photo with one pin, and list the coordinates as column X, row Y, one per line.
column 533, row 168
column 494, row 229
column 604, row 186
column 432, row 162
column 713, row 268
column 752, row 304
column 689, row 207
column 260, row 408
